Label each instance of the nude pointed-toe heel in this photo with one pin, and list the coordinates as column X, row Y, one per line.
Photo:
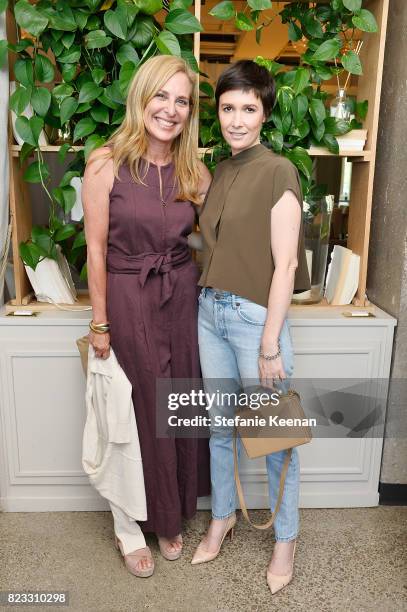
column 203, row 556
column 276, row 582
column 131, row 560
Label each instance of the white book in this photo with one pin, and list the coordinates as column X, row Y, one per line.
column 342, row 277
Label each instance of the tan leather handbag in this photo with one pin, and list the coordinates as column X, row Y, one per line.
column 259, row 441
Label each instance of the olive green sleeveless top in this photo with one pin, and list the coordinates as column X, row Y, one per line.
column 235, row 224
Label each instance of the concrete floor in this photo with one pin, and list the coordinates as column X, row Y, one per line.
column 346, row 560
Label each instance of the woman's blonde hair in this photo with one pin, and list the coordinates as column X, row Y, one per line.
column 129, row 142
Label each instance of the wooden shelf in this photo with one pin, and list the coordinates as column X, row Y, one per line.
column 323, row 152
column 360, row 205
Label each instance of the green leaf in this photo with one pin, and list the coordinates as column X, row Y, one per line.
column 26, row 151
column 302, row 77
column 205, row 134
column 294, row 32
column 81, row 17
column 100, row 114
column 67, row 39
column 337, row 127
column 223, row 10
column 98, row 74
column 62, row 91
column 353, row 5
column 41, row 100
column 207, row 89
column 30, row 18
column 84, row 127
column 299, row 108
column 97, row 39
column 312, row 25
column 149, row 7
column 180, row 22
column 3, row 5
column 365, row 21
column 361, row 109
column 63, row 150
column 351, row 63
column 89, row 92
column 317, row 111
column 324, row 72
column 79, row 241
column 144, row 32
column 24, row 73
column 93, row 142
column 167, row 43
column 35, row 171
column 328, row 50
column 66, row 197
column 68, row 71
column 259, row 5
column 127, row 53
column 20, row 99
column 118, row 116
column 276, row 140
column 318, row 130
column 84, row 272
column 3, row 52
column 180, row 4
column 44, row 70
column 331, row 143
column 65, row 232
column 68, row 108
column 29, row 129
column 284, row 98
column 127, row 72
column 70, row 56
column 116, row 22
column 190, row 58
column 301, row 158
column 68, row 176
column 243, row 22
column 30, row 254
column 63, row 18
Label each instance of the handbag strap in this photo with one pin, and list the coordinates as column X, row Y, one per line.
column 242, row 501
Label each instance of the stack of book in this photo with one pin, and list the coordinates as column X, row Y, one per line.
column 342, row 276
column 354, row 140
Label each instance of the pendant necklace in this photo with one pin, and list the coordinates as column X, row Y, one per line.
column 163, row 202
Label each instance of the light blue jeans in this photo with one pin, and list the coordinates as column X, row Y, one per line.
column 230, row 329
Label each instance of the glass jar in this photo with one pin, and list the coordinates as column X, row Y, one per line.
column 340, row 106
column 317, row 229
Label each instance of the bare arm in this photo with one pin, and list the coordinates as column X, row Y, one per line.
column 97, row 184
column 285, row 228
column 195, row 238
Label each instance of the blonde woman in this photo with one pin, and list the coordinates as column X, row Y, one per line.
column 139, row 194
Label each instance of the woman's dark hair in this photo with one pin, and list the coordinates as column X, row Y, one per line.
column 248, row 76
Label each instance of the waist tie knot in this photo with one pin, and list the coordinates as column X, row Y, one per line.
column 144, row 264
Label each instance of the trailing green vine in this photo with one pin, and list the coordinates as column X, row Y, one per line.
column 74, row 62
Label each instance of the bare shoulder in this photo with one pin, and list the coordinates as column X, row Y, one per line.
column 100, row 166
column 205, row 177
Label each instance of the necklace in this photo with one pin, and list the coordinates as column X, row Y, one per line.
column 163, row 202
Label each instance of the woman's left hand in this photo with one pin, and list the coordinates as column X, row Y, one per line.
column 269, row 370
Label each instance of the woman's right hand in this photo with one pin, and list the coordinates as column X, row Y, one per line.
column 100, row 343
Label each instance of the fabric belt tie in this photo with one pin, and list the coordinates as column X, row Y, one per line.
column 159, row 263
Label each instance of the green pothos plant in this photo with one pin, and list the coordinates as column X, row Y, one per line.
column 300, row 117
column 73, row 65
column 74, row 62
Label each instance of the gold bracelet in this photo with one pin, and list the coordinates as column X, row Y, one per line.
column 99, row 328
